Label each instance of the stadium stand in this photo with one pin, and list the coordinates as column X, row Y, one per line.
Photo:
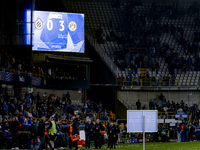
column 161, row 45
column 146, row 44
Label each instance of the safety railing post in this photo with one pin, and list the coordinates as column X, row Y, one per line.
column 150, row 82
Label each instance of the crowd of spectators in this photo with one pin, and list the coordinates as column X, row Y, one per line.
column 139, row 34
column 28, row 108
column 9, row 62
column 66, row 72
column 147, row 80
column 32, row 106
column 164, row 105
column 155, row 49
column 144, row 29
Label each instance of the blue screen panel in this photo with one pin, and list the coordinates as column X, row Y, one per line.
column 150, row 121
column 135, row 121
column 56, row 31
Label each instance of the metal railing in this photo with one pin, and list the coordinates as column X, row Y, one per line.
column 158, row 82
column 136, row 50
column 189, row 118
column 23, row 72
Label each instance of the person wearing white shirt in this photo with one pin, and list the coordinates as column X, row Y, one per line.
column 165, row 108
column 13, row 60
column 30, row 114
column 180, row 110
column 49, row 71
column 19, row 66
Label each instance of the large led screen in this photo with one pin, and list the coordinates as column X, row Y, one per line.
column 56, row 31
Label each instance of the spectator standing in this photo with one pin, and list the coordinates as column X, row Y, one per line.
column 8, row 137
column 41, row 131
column 151, row 105
column 138, row 104
column 82, row 116
column 178, row 132
column 5, row 108
column 197, row 113
column 154, row 102
column 111, row 135
column 34, row 131
column 89, row 106
column 165, row 108
column 28, row 100
column 157, row 67
column 191, row 132
column 52, row 132
column 97, row 134
column 13, row 128
column 111, row 115
column 161, row 97
column 58, row 130
column 38, row 96
column 75, row 130
column 88, row 133
column 67, row 96
column 86, row 107
column 186, row 132
column 50, row 109
column 152, row 65
column 49, row 72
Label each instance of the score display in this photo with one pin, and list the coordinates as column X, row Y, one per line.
column 56, row 31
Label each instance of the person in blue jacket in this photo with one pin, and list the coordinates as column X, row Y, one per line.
column 179, row 132
column 191, row 132
column 8, row 137
column 88, row 133
column 197, row 113
column 29, row 120
column 186, row 132
column 163, row 134
column 124, row 132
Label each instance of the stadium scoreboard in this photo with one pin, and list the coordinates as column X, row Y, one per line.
column 58, row 31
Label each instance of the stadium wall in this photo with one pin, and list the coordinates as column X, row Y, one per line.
column 106, row 94
column 120, row 110
column 99, row 71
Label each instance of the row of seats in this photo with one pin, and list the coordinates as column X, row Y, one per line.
column 97, row 13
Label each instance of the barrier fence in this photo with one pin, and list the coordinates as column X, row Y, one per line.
column 21, row 78
column 158, row 82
